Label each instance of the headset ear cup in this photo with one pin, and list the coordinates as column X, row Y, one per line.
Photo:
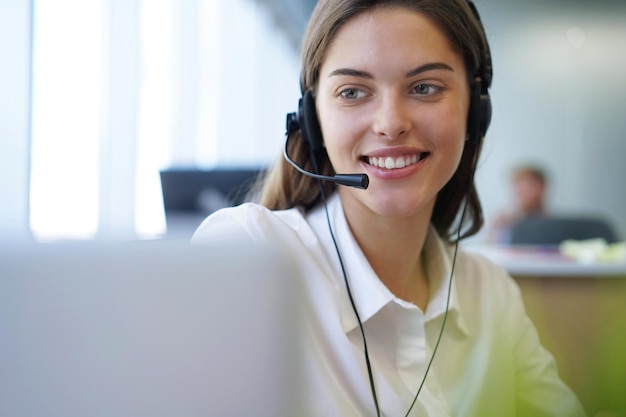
column 309, row 124
column 474, row 114
column 479, row 115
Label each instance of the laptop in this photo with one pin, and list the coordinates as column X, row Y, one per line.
column 147, row 329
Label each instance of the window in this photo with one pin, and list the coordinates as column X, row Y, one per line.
column 124, row 88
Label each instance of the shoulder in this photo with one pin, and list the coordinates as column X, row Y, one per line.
column 487, row 286
column 478, row 269
column 249, row 221
column 493, row 299
column 484, row 289
column 493, row 302
column 474, row 274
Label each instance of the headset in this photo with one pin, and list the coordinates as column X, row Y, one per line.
column 306, row 121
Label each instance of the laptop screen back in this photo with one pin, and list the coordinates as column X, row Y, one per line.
column 147, row 329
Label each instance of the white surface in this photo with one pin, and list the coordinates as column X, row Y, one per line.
column 546, row 262
column 146, row 329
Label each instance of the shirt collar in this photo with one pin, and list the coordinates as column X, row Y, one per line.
column 370, row 295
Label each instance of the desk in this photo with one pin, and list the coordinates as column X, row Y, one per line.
column 580, row 313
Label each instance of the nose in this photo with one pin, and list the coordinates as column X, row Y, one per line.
column 391, row 120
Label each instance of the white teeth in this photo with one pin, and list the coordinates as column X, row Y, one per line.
column 391, row 163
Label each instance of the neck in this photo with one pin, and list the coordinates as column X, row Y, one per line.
column 393, row 247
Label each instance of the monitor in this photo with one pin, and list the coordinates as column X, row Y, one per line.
column 191, row 194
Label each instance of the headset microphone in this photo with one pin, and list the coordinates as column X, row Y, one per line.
column 360, row 181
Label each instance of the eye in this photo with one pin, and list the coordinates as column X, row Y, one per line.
column 426, row 89
column 351, row 93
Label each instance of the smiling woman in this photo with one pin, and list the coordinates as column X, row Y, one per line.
column 401, row 322
column 391, row 118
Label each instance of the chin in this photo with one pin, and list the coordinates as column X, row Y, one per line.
column 385, row 201
column 398, row 211
column 399, row 206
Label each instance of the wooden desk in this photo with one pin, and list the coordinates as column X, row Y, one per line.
column 580, row 314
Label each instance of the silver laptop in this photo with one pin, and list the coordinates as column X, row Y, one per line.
column 147, row 329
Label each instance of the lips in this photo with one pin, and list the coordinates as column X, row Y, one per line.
column 395, row 162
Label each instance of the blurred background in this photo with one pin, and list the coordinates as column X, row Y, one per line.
column 97, row 97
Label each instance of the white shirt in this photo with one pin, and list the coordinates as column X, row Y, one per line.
column 489, row 361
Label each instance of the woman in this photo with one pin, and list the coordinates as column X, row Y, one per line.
column 400, row 91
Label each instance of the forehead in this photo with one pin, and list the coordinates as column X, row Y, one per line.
column 391, row 35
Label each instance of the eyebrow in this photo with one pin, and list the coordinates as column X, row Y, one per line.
column 429, row 67
column 364, row 74
column 351, row 72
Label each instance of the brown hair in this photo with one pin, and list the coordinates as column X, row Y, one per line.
column 284, row 187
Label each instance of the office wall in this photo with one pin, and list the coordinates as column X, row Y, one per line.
column 558, row 95
column 15, row 39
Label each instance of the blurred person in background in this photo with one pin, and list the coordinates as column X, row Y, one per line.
column 529, row 185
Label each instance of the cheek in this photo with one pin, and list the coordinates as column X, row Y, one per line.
column 331, row 130
column 447, row 130
column 448, row 115
column 339, row 130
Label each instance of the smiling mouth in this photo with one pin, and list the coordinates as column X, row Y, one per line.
column 388, row 162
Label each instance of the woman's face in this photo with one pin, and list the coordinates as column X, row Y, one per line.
column 392, row 100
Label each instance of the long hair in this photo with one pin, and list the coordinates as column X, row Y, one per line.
column 284, row 187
